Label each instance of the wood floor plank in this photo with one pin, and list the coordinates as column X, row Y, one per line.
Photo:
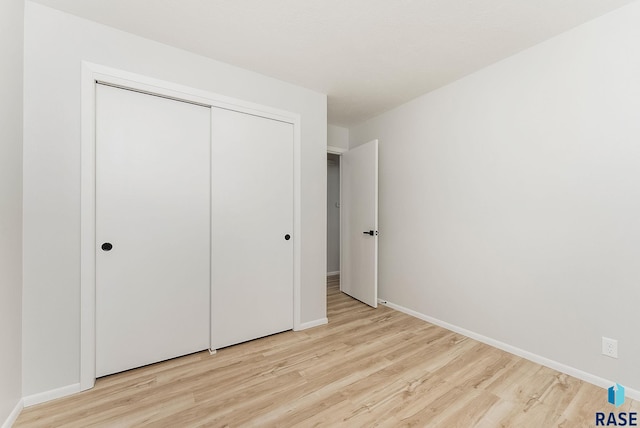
column 367, row 367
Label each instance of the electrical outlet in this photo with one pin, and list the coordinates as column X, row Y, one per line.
column 609, row 347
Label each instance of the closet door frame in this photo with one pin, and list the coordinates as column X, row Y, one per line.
column 91, row 75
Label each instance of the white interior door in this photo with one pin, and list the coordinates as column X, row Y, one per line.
column 359, row 223
column 252, row 225
column 152, row 229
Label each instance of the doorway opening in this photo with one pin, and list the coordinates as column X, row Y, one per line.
column 333, row 215
column 357, row 208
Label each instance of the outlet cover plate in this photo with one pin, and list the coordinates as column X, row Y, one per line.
column 609, row 347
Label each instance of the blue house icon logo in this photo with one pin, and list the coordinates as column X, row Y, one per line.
column 616, row 395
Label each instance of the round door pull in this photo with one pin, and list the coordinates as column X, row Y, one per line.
column 287, row 237
column 107, row 246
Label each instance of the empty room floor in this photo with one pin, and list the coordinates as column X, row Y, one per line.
column 367, row 367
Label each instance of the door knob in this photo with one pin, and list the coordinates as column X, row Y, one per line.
column 106, row 246
column 371, row 232
column 287, row 237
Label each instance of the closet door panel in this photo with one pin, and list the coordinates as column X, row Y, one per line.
column 152, row 229
column 252, row 227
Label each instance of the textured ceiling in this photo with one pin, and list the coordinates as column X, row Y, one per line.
column 368, row 56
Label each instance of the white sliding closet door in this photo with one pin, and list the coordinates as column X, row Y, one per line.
column 252, row 227
column 152, row 229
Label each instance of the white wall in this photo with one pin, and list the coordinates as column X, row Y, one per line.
column 337, row 136
column 55, row 45
column 11, row 30
column 333, row 213
column 510, row 199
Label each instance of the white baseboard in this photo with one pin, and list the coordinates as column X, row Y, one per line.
column 333, row 273
column 13, row 416
column 41, row 397
column 563, row 368
column 314, row 323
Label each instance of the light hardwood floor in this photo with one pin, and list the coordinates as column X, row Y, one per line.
column 367, row 367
